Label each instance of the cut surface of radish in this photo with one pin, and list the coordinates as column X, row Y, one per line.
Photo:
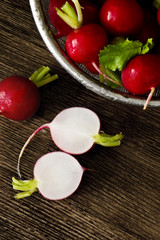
column 56, row 176
column 73, row 129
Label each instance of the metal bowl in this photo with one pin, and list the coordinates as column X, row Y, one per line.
column 39, row 10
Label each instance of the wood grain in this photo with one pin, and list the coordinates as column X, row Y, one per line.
column 121, row 199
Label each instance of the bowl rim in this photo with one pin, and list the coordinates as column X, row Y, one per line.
column 86, row 80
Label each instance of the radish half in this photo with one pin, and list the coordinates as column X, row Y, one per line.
column 56, row 176
column 75, row 130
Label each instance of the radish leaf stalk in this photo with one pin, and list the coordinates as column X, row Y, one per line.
column 26, row 186
column 42, row 76
column 106, row 140
column 68, row 14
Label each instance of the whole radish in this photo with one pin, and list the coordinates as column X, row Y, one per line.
column 150, row 28
column 75, row 130
column 142, row 75
column 57, row 175
column 19, row 96
column 121, row 17
column 84, row 44
column 89, row 11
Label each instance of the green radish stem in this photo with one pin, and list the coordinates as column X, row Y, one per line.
column 69, row 16
column 156, row 4
column 106, row 140
column 26, row 186
column 42, row 76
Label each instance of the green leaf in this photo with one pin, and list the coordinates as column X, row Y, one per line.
column 149, row 45
column 115, row 56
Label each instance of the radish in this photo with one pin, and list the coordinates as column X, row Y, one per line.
column 84, row 44
column 150, row 27
column 121, row 17
column 142, row 75
column 89, row 11
column 19, row 96
column 75, row 130
column 56, row 176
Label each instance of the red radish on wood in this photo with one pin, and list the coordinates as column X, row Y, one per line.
column 75, row 130
column 57, row 175
column 19, row 96
column 121, row 17
column 142, row 75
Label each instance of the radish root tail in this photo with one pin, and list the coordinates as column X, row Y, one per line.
column 105, row 76
column 149, row 98
column 25, row 145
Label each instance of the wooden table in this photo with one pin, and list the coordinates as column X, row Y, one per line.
column 121, row 199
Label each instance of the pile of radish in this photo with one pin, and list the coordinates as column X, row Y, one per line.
column 58, row 174
column 20, row 97
column 118, row 21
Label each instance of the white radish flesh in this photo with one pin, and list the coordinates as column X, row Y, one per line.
column 57, row 176
column 75, row 130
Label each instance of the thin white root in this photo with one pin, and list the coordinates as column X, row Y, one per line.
column 25, row 145
column 149, row 98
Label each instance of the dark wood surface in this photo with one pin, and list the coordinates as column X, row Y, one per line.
column 121, row 200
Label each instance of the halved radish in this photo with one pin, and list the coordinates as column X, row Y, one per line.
column 56, row 176
column 75, row 130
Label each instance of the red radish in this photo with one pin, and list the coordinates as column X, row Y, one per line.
column 121, row 17
column 158, row 15
column 84, row 44
column 19, row 96
column 142, row 74
column 61, row 28
column 150, row 27
column 75, row 130
column 89, row 11
column 90, row 66
column 57, row 175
